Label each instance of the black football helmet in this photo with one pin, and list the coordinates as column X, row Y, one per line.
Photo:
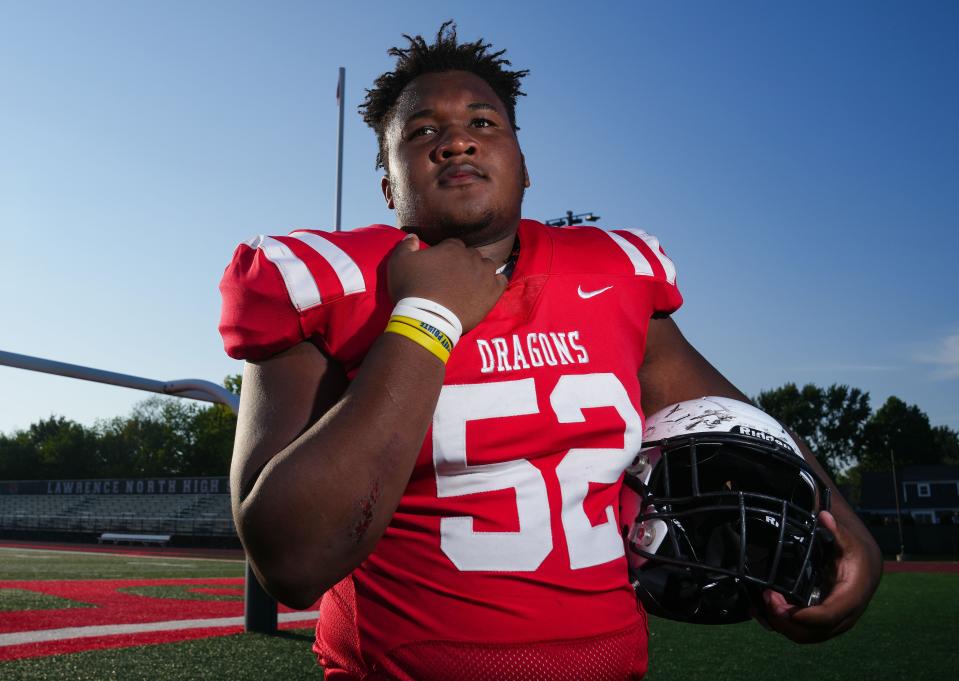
column 718, row 506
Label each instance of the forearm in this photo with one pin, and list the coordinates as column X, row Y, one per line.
column 319, row 506
column 845, row 516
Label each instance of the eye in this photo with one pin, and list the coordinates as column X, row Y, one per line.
column 482, row 123
column 422, row 132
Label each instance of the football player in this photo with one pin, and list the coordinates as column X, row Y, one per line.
column 435, row 419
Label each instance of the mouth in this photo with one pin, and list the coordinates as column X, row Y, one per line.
column 460, row 174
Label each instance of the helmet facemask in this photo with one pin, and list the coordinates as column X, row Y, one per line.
column 723, row 516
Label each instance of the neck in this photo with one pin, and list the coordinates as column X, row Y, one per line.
column 492, row 236
column 498, row 251
column 495, row 244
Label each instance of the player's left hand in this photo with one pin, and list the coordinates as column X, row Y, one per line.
column 857, row 575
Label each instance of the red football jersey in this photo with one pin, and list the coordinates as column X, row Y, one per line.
column 505, row 554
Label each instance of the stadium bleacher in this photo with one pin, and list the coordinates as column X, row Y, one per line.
column 179, row 514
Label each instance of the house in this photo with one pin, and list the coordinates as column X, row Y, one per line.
column 928, row 494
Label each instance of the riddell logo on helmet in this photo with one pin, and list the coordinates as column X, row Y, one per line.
column 759, row 434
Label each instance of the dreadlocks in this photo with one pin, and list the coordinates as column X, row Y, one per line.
column 445, row 54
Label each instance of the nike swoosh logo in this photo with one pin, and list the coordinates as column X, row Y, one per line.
column 586, row 295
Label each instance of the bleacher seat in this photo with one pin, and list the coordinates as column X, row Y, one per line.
column 183, row 514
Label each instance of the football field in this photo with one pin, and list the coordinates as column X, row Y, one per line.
column 122, row 614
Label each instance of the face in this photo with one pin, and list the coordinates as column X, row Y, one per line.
column 455, row 166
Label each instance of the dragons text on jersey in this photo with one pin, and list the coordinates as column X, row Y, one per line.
column 535, row 350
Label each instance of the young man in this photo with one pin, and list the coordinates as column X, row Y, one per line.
column 458, row 510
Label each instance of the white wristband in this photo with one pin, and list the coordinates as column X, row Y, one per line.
column 435, row 308
column 421, row 315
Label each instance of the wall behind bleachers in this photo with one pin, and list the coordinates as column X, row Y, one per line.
column 194, row 507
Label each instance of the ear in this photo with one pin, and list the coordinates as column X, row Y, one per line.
column 525, row 172
column 387, row 190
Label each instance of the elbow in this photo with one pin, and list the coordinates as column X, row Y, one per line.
column 295, row 596
column 296, row 562
column 290, row 585
column 295, row 573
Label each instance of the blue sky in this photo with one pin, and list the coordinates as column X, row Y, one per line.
column 799, row 162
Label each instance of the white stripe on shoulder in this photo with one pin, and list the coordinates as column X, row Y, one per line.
column 349, row 274
column 299, row 281
column 640, row 263
column 668, row 266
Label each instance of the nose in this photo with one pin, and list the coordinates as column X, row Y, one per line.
column 455, row 142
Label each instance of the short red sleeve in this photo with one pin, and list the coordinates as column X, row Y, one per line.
column 653, row 267
column 325, row 287
column 258, row 318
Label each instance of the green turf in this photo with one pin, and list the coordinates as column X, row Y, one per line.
column 24, row 599
column 908, row 632
column 184, row 591
column 242, row 657
column 18, row 563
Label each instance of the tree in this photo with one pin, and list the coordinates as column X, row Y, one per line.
column 831, row 420
column 51, row 448
column 162, row 436
column 901, row 430
column 64, row 448
column 213, row 430
column 19, row 459
column 233, row 383
column 947, row 444
column 155, row 439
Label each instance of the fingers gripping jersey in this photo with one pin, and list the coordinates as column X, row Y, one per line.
column 505, row 552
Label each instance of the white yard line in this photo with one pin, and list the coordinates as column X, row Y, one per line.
column 44, row 635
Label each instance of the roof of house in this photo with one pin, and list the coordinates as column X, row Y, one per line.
column 929, row 473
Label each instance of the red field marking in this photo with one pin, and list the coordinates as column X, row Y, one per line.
column 115, row 608
column 119, row 619
column 920, row 566
column 217, row 592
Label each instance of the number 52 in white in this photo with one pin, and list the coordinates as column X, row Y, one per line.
column 525, row 550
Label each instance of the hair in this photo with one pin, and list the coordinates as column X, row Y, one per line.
column 445, row 54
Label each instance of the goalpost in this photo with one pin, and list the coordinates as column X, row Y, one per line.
column 259, row 608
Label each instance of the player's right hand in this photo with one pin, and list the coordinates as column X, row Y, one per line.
column 448, row 273
column 858, row 570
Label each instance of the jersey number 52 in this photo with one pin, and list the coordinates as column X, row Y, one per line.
column 526, row 549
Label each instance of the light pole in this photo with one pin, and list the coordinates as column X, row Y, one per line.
column 571, row 219
column 340, row 99
column 895, row 489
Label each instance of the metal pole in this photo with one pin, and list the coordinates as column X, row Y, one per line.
column 259, row 608
column 191, row 388
column 895, row 489
column 341, row 100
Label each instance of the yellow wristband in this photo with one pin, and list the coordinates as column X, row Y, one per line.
column 427, row 328
column 420, row 337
